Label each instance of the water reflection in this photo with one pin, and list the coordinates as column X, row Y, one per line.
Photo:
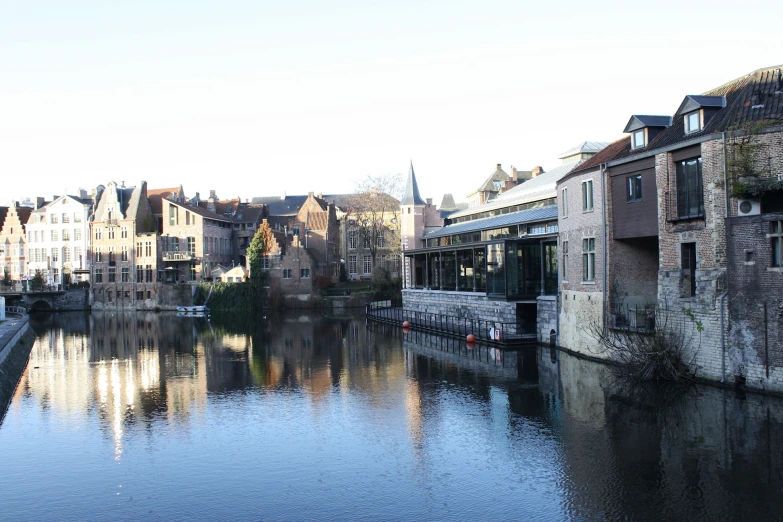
column 329, row 417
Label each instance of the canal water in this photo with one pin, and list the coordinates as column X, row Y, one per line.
column 311, row 417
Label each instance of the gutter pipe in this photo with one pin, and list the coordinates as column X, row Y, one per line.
column 726, row 226
column 605, row 241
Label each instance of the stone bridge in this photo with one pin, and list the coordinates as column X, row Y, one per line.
column 50, row 300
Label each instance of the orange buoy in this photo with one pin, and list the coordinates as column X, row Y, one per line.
column 471, row 338
column 406, row 324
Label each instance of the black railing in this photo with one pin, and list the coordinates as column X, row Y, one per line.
column 627, row 317
column 490, row 331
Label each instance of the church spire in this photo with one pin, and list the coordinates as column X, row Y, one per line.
column 411, row 195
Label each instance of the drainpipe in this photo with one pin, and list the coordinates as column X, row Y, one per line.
column 726, row 226
column 603, row 218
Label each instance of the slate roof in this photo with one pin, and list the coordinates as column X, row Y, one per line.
column 448, row 203
column 202, row 212
column 124, row 195
column 612, row 151
column 411, row 195
column 756, row 97
column 541, row 187
column 514, row 218
column 585, row 147
column 640, row 121
column 489, row 184
column 249, row 213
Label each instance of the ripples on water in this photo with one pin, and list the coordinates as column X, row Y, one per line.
column 128, row 416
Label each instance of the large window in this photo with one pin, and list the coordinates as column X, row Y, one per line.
column 587, row 195
column 564, row 268
column 588, row 259
column 565, row 202
column 124, row 252
column 112, row 274
column 633, row 188
column 287, row 273
column 352, row 239
column 99, row 275
column 367, row 265
column 381, row 241
column 352, row 269
column 304, row 273
column 192, row 246
column 56, row 255
column 776, row 239
column 125, row 274
column 496, row 270
column 690, row 198
column 173, row 218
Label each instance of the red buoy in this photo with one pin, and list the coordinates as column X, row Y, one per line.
column 471, row 338
column 406, row 324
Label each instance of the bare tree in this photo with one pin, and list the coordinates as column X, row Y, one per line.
column 661, row 351
column 373, row 214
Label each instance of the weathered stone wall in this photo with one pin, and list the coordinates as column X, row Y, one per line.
column 546, row 320
column 15, row 347
column 579, row 312
column 469, row 305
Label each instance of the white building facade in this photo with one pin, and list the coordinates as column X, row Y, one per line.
column 58, row 237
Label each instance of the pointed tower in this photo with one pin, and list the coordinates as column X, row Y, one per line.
column 412, row 208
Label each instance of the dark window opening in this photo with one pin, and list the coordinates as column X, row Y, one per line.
column 633, row 188
column 688, row 269
column 690, row 198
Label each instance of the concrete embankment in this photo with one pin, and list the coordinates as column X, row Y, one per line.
column 16, row 341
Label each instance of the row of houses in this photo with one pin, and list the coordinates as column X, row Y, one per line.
column 131, row 242
column 680, row 220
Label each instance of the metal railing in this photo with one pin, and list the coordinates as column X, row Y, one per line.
column 637, row 318
column 490, row 331
column 177, row 256
column 15, row 310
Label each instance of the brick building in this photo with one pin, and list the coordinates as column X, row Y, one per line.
column 194, row 240
column 122, row 218
column 13, row 251
column 707, row 244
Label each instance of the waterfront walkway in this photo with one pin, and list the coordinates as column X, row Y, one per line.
column 11, row 330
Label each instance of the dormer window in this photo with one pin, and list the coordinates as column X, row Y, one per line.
column 692, row 122
column 639, row 140
column 644, row 128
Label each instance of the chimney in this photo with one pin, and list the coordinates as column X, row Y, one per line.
column 498, row 166
column 283, row 196
column 39, row 201
column 198, row 197
column 537, row 171
column 429, row 202
column 82, row 193
column 122, row 184
column 212, row 194
column 247, row 201
column 309, row 194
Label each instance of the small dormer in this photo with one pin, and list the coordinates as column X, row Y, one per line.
column 643, row 128
column 697, row 111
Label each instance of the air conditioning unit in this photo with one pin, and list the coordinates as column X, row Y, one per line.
column 748, row 207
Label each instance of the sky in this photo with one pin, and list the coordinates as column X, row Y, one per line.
column 260, row 98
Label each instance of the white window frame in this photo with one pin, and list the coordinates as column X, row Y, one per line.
column 687, row 117
column 564, row 271
column 304, row 273
column 635, row 135
column 565, row 202
column 587, row 195
column 352, row 265
column 588, row 260
column 367, row 265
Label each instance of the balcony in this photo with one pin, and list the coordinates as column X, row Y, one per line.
column 177, row 256
column 111, row 222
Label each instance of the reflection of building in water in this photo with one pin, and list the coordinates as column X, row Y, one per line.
column 129, row 367
column 639, row 454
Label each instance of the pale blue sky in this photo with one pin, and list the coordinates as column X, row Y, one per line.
column 255, row 98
